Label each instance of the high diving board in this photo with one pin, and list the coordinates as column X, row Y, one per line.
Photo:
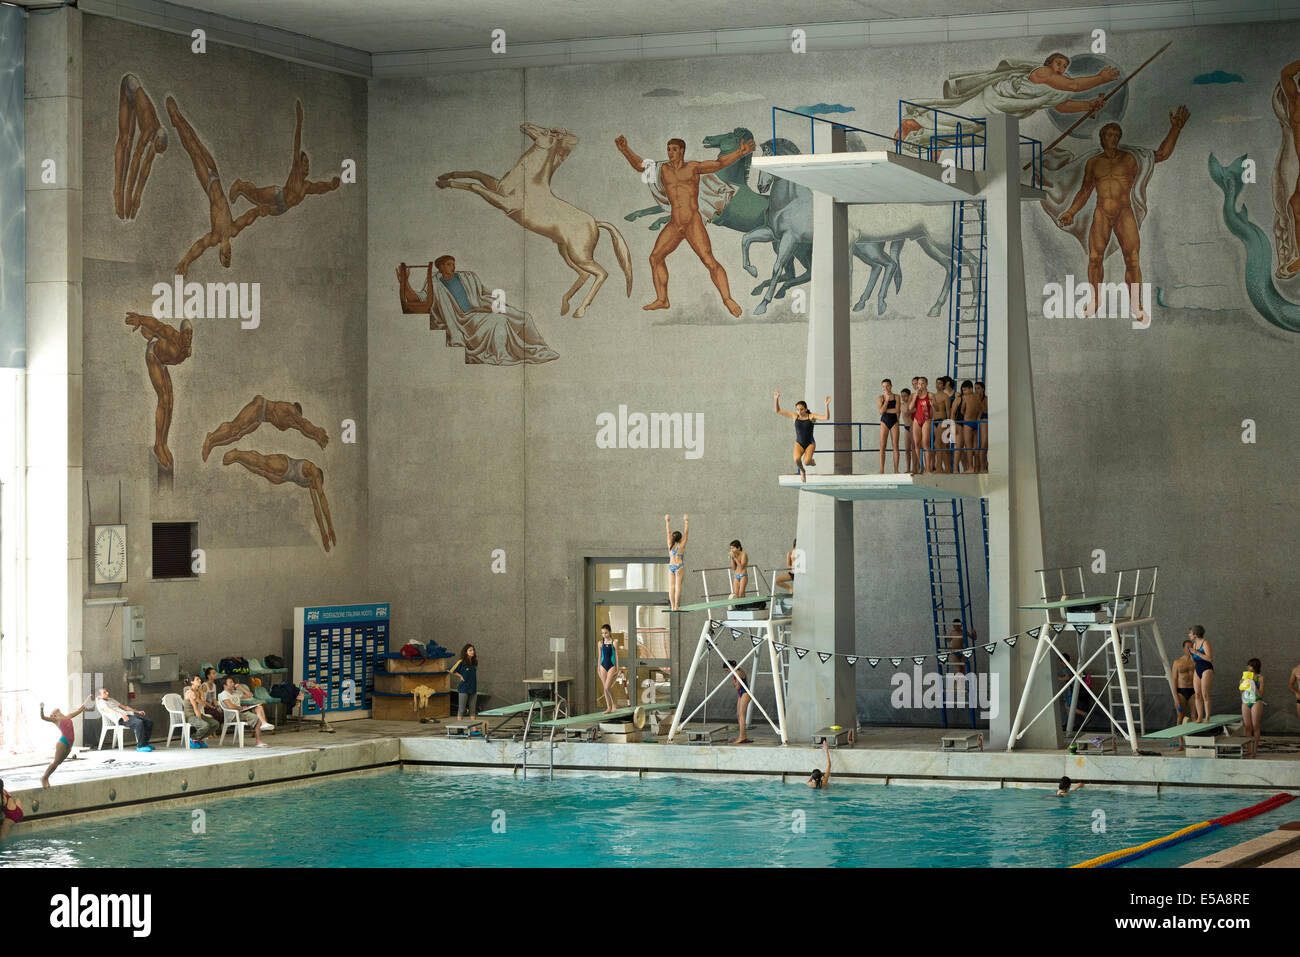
column 1216, row 722
column 601, row 716
column 513, row 709
column 887, row 486
column 880, row 176
column 1066, row 603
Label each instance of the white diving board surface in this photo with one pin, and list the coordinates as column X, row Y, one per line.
column 849, row 488
column 880, row 176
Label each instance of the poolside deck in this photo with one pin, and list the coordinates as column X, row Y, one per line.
column 108, row 782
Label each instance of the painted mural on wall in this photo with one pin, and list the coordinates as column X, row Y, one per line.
column 524, row 195
column 141, row 137
column 1281, row 307
column 472, row 316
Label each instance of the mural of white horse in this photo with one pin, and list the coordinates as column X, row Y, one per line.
column 524, row 195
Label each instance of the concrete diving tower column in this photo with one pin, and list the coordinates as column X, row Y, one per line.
column 821, row 695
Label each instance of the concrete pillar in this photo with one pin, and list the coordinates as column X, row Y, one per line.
column 824, row 606
column 56, row 534
column 1015, row 518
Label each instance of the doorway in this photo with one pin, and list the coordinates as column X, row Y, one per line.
column 631, row 596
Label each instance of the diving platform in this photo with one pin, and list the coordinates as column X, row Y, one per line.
column 882, row 176
column 888, row 486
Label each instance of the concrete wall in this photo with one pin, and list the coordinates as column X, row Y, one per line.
column 1139, row 430
column 264, row 554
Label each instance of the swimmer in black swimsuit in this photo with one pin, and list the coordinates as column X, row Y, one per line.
column 887, row 406
column 803, row 432
column 982, row 404
column 1203, row 659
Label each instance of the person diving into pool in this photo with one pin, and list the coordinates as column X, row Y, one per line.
column 283, row 415
column 804, row 446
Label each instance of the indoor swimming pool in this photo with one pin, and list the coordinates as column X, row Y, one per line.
column 415, row 818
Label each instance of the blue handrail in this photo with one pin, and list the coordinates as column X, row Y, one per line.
column 859, row 447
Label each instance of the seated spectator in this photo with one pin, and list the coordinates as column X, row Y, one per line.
column 200, row 724
column 252, row 714
column 11, row 812
column 115, row 713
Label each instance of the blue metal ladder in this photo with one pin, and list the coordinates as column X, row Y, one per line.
column 945, row 519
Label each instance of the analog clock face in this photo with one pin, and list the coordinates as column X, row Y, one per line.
column 110, row 553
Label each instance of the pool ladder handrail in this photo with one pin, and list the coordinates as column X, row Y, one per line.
column 560, row 707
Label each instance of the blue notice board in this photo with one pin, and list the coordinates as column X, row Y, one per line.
column 340, row 648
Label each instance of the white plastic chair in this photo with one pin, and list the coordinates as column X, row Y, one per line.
column 106, row 726
column 231, row 719
column 175, row 706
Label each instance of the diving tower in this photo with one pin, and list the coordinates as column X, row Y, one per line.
column 982, row 167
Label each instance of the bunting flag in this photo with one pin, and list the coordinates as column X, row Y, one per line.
column 943, row 658
column 851, row 659
column 825, row 656
column 1081, row 626
column 1058, row 626
column 991, row 647
column 896, row 661
column 968, row 653
column 873, row 661
column 756, row 640
column 1033, row 632
column 801, row 652
column 714, row 624
column 918, row 659
column 1011, row 642
column 778, row 646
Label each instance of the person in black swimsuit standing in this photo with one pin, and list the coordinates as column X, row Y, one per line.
column 803, row 432
column 887, row 406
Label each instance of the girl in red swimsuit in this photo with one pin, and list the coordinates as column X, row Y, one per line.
column 67, row 735
column 11, row 811
column 921, row 424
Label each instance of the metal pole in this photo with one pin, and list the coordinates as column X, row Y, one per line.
column 1029, row 683
column 1118, row 648
column 686, row 688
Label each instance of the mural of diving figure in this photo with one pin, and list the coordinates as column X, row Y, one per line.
column 278, row 469
column 274, row 200
column 1286, row 173
column 167, row 347
column 282, row 415
column 224, row 226
column 681, row 181
column 1113, row 173
column 463, row 306
column 141, row 137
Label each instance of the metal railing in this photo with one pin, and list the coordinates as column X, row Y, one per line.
column 858, row 440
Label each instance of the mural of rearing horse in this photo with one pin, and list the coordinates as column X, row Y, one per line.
column 524, row 195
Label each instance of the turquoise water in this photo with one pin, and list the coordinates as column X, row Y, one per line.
column 426, row 819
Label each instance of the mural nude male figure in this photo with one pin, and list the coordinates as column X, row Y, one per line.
column 167, row 347
column 224, row 226
column 274, row 200
column 278, row 469
column 1286, row 106
column 141, row 137
column 283, row 415
column 1113, row 173
column 681, row 180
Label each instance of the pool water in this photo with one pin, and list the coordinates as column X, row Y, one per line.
column 415, row 818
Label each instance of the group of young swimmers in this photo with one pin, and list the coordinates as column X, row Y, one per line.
column 738, row 559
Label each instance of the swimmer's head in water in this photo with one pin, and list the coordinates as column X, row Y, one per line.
column 815, row 779
column 1063, row 784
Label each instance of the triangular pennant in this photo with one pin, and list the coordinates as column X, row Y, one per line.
column 1011, row 642
column 756, row 640
column 1058, row 626
column 896, row 661
column 918, row 659
column 1081, row 627
column 801, row 652
column 735, row 634
column 991, row 647
column 943, row 658
column 1033, row 632
column 825, row 656
column 851, row 659
column 778, row 646
column 873, row 661
column 968, row 653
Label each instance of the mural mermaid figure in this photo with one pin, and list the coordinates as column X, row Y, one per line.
column 275, row 200
column 676, row 559
column 681, row 183
column 283, row 415
column 804, row 446
column 167, row 347
column 224, row 226
column 140, row 136
column 278, row 469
